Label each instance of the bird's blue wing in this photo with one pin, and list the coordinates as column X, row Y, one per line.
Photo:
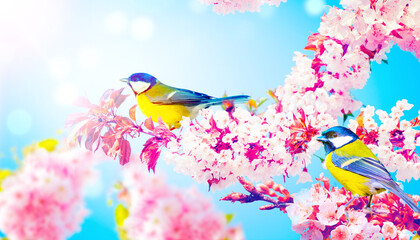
column 365, row 166
column 170, row 95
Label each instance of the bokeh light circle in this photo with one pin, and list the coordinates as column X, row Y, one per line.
column 315, row 7
column 142, row 28
column 116, row 23
column 19, row 122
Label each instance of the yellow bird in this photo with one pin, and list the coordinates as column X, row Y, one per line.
column 355, row 166
column 171, row 104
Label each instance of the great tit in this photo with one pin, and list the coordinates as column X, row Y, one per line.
column 355, row 166
column 171, row 104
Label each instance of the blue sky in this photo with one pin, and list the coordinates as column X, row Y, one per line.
column 59, row 49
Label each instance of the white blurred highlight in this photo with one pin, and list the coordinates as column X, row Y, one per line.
column 315, row 7
column 267, row 11
column 89, row 57
column 59, row 68
column 142, row 28
column 197, row 6
column 116, row 23
column 19, row 122
column 28, row 26
column 65, row 94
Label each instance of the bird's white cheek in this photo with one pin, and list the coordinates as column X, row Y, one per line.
column 139, row 87
column 341, row 141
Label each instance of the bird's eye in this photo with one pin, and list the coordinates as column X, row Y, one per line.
column 332, row 135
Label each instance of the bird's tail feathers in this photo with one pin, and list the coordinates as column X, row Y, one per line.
column 218, row 101
column 395, row 189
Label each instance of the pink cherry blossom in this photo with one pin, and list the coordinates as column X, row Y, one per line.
column 159, row 211
column 389, row 230
column 44, row 198
column 340, row 233
column 230, row 6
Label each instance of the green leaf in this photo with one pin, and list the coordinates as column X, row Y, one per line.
column 118, row 186
column 4, row 173
column 229, row 217
column 320, row 158
column 385, row 61
column 121, row 213
column 262, row 100
column 345, row 116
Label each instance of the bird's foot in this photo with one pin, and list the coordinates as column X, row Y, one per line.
column 347, row 218
column 369, row 209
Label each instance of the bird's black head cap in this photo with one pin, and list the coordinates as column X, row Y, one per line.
column 336, row 137
column 143, row 77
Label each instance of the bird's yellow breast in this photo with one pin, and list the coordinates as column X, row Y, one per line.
column 170, row 114
column 355, row 183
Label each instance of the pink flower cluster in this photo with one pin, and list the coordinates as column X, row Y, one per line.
column 394, row 141
column 376, row 24
column 230, row 6
column 159, row 211
column 44, row 198
column 223, row 146
column 318, row 213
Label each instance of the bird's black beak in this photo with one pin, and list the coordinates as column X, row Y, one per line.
column 322, row 139
column 126, row 80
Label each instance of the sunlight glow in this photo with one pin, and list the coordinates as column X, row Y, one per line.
column 89, row 57
column 59, row 68
column 65, row 94
column 142, row 28
column 116, row 23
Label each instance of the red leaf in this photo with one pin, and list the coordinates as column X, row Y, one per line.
column 213, row 125
column 120, row 100
column 123, row 122
column 75, row 118
column 310, row 47
column 108, row 141
column 325, row 180
column 214, row 180
column 148, row 123
column 163, row 131
column 150, row 153
column 125, row 152
column 117, row 97
column 415, row 122
column 84, row 102
column 396, row 34
column 317, row 64
column 92, row 137
column 162, row 124
column 132, row 112
column 370, row 53
column 105, row 96
column 314, row 41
